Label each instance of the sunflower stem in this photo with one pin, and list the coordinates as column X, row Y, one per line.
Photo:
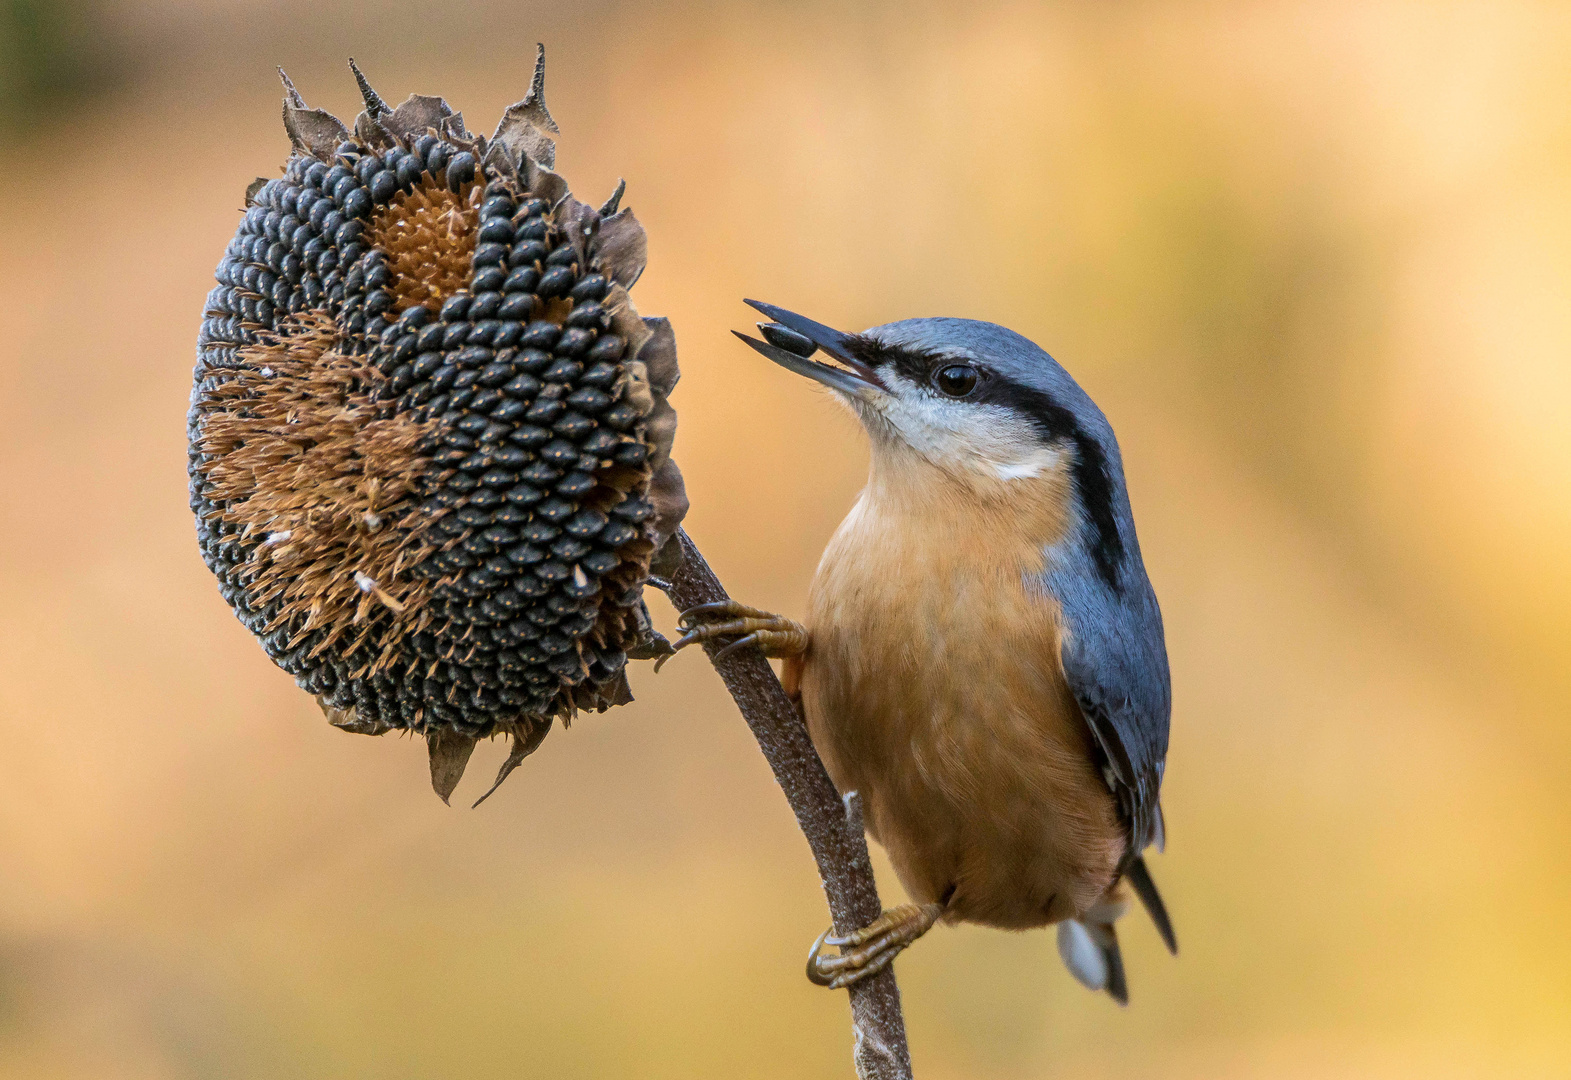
column 832, row 826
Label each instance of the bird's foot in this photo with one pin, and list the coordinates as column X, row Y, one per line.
column 773, row 635
column 868, row 951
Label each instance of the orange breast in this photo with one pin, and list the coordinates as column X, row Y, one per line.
column 933, row 687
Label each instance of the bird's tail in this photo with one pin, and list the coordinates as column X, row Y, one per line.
column 1089, row 947
column 1139, row 877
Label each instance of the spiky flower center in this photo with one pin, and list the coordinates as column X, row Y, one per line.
column 420, row 455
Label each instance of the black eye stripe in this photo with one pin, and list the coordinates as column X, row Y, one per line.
column 1052, row 420
column 1092, row 478
column 917, row 365
column 920, row 366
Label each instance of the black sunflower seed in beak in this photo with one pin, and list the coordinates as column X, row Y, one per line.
column 792, row 339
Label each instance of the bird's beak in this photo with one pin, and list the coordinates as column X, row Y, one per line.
column 802, row 337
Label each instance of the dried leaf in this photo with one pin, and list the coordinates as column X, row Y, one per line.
column 659, row 355
column 542, row 183
column 526, row 129
column 348, row 720
column 623, row 248
column 311, row 131
column 449, row 756
column 635, row 387
column 578, row 222
column 665, row 565
column 373, row 102
column 369, row 130
column 619, row 692
column 660, row 432
column 523, row 746
column 669, row 494
column 291, row 95
column 608, row 207
column 499, row 161
column 418, row 112
column 314, row 132
column 625, row 320
column 652, row 645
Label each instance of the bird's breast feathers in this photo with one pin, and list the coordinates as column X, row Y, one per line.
column 934, row 687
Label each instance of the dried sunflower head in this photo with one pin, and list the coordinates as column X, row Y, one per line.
column 430, row 446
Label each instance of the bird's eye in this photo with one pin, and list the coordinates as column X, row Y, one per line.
column 956, row 380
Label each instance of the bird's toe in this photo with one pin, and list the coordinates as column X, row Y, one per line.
column 866, row 952
column 738, row 626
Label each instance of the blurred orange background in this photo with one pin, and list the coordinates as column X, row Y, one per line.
column 1313, row 259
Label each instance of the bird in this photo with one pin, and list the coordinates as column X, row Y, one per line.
column 983, row 659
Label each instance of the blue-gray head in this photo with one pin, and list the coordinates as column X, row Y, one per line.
column 971, row 398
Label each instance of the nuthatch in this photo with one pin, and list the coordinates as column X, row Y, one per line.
column 983, row 659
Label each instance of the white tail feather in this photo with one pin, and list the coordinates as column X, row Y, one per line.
column 1081, row 955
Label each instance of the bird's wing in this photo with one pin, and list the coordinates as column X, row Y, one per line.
column 1115, row 660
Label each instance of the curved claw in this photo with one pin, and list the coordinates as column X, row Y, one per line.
column 840, row 972
column 739, row 643
column 871, row 949
column 814, row 975
column 772, row 634
column 724, row 606
column 689, row 638
column 693, row 636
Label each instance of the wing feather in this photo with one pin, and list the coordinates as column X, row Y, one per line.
column 1115, row 660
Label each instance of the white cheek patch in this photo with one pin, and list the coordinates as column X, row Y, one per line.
column 957, row 435
column 1043, row 459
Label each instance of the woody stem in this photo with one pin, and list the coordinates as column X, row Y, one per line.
column 833, row 827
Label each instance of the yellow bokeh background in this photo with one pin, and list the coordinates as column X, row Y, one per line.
column 1314, row 261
